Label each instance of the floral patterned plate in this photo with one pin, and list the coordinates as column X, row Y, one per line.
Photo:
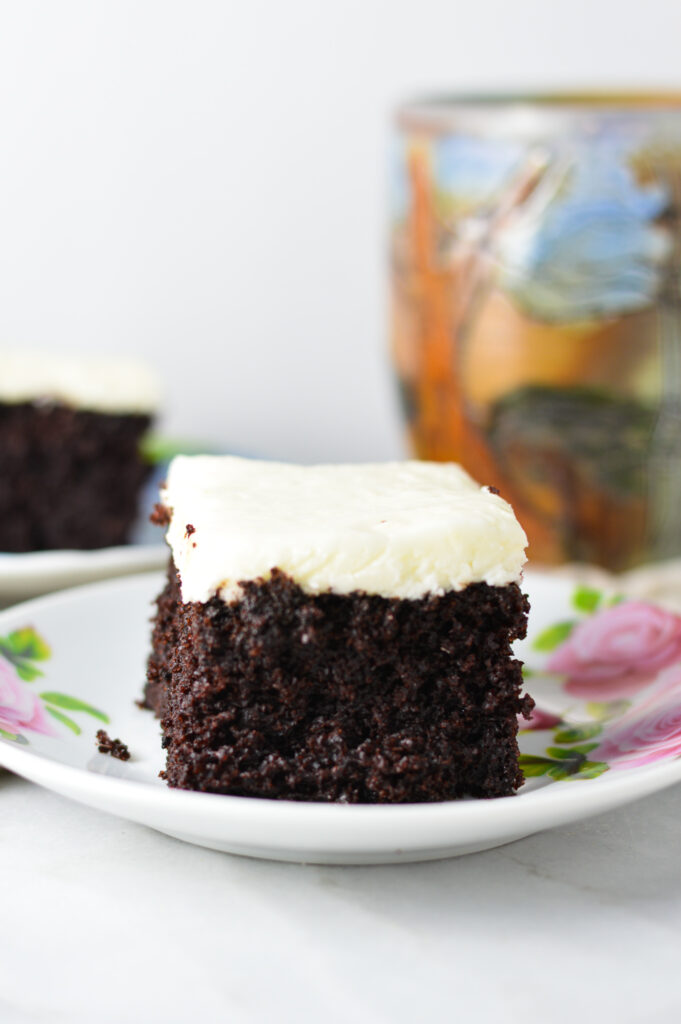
column 605, row 672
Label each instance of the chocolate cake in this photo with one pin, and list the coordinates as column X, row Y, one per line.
column 115, row 748
column 338, row 633
column 70, row 461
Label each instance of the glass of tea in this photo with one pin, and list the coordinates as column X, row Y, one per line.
column 536, row 311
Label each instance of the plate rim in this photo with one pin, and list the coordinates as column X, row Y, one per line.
column 64, row 558
column 29, row 575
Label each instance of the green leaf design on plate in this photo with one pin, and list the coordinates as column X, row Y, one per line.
column 533, row 766
column 571, row 753
column 61, row 700
column 576, row 733
column 563, row 764
column 586, row 599
column 584, row 748
column 27, row 672
column 14, row 737
column 64, row 719
column 563, row 753
column 560, row 772
column 26, row 644
column 554, row 636
column 592, row 769
column 21, row 648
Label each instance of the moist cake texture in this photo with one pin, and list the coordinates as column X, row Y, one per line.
column 285, row 681
column 70, row 462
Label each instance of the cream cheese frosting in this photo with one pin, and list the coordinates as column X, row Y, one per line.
column 93, row 382
column 396, row 529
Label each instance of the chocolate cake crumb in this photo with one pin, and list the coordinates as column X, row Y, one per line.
column 160, row 515
column 116, row 748
column 493, row 490
column 189, row 530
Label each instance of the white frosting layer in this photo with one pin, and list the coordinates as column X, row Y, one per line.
column 98, row 383
column 401, row 529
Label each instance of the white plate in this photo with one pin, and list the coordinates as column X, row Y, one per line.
column 89, row 645
column 40, row 572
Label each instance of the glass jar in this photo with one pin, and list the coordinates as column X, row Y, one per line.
column 536, row 246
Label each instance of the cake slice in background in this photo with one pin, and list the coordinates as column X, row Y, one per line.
column 71, row 471
column 338, row 633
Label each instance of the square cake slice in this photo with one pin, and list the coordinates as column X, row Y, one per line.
column 338, row 633
column 70, row 460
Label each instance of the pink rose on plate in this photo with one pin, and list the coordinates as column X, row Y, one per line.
column 20, row 709
column 615, row 652
column 651, row 732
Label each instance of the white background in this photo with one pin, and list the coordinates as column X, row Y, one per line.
column 204, row 183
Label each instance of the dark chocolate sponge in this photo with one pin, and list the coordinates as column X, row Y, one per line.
column 70, row 478
column 352, row 698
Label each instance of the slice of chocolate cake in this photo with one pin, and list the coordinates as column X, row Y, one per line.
column 70, row 462
column 338, row 632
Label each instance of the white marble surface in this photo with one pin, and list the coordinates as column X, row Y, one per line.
column 105, row 921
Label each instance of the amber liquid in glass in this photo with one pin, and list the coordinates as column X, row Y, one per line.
column 577, row 424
